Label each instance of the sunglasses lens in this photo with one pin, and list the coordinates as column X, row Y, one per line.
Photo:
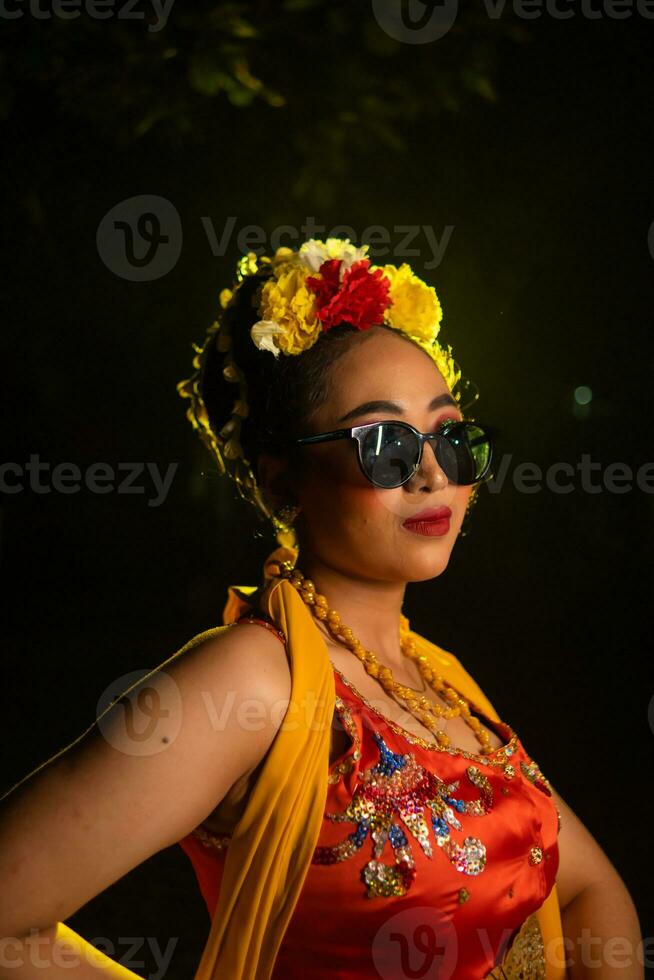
column 465, row 452
column 389, row 453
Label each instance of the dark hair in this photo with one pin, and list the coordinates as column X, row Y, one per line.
column 282, row 392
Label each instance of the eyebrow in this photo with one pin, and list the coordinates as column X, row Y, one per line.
column 386, row 406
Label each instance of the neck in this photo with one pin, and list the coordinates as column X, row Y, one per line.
column 371, row 608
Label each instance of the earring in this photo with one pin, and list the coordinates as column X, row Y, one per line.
column 287, row 514
column 464, row 530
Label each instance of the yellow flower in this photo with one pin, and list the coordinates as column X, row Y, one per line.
column 225, row 296
column 443, row 359
column 416, row 311
column 286, row 301
column 247, row 265
column 282, row 256
column 414, row 308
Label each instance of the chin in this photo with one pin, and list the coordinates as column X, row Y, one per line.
column 430, row 564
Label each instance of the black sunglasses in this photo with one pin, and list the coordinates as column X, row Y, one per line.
column 389, row 453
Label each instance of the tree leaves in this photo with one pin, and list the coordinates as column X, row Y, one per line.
column 324, row 71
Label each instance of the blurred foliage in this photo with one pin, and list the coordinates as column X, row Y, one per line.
column 319, row 76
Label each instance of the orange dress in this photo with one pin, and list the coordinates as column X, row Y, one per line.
column 430, row 861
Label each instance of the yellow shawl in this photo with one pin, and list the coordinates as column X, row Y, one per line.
column 273, row 843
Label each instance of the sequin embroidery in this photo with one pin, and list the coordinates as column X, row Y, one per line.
column 525, row 959
column 399, row 787
column 217, row 841
column 535, row 776
column 353, row 754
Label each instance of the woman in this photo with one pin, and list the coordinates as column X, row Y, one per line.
column 376, row 818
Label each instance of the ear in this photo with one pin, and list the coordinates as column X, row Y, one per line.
column 275, row 479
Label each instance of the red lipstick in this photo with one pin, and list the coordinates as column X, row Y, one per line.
column 433, row 522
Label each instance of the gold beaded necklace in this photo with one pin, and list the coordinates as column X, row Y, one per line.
column 418, row 705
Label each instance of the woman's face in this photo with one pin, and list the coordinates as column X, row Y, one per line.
column 347, row 522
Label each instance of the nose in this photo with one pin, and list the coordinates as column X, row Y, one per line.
column 429, row 475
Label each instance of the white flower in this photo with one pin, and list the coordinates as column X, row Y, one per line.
column 314, row 252
column 262, row 334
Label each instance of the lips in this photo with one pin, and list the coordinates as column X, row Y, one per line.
column 429, row 516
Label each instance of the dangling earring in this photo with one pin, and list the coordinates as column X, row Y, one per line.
column 287, row 514
column 464, row 530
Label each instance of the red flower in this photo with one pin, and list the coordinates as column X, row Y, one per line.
column 360, row 299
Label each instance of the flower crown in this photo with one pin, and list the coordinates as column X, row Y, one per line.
column 304, row 294
column 327, row 283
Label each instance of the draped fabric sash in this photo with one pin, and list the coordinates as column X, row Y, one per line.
column 273, row 843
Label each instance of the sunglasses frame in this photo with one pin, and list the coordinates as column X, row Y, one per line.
column 358, row 432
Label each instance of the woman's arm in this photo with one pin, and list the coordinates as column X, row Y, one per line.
column 601, row 931
column 125, row 790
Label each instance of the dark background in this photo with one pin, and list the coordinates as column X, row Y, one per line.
column 533, row 140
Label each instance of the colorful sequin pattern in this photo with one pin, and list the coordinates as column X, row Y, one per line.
column 397, row 801
column 417, row 837
column 397, row 797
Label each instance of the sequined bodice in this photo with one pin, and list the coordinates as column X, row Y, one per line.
column 427, row 856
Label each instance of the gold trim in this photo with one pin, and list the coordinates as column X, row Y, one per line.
column 525, row 958
column 216, row 841
column 339, row 769
column 497, row 757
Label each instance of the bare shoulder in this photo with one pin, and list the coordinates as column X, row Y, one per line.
column 246, row 656
column 237, row 680
column 153, row 765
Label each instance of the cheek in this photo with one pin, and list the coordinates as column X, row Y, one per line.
column 335, row 486
column 369, row 505
column 343, row 492
column 349, row 498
